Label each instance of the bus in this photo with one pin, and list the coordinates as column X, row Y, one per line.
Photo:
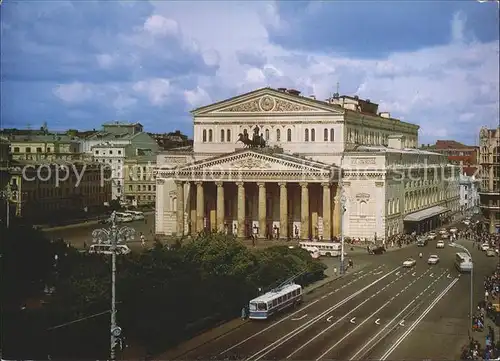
column 330, row 249
column 123, row 217
column 136, row 215
column 106, row 249
column 264, row 306
column 463, row 262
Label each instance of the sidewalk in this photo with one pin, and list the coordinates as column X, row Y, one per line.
column 230, row 326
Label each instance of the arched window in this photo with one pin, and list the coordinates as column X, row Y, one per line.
column 228, row 133
column 267, row 134
column 222, row 135
column 210, row 135
column 306, row 135
column 289, row 135
column 278, row 135
column 204, row 135
column 313, row 135
column 332, row 135
column 325, row 135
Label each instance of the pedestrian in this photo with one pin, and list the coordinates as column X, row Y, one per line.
column 243, row 313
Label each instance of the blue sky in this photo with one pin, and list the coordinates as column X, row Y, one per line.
column 79, row 64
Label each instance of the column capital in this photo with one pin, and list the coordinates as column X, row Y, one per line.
column 179, row 183
column 326, row 185
column 198, row 183
column 219, row 184
column 240, row 184
column 282, row 184
column 261, row 184
column 304, row 184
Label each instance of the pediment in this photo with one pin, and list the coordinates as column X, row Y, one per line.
column 267, row 101
column 255, row 161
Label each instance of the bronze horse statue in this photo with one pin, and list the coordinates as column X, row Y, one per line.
column 257, row 140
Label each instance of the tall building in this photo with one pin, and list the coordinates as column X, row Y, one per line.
column 489, row 155
column 139, row 182
column 311, row 157
column 48, row 192
column 116, row 142
column 469, row 190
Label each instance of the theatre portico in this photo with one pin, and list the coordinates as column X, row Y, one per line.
column 253, row 191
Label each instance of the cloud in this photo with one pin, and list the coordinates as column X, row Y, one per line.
column 150, row 61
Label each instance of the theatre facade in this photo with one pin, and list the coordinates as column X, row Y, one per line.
column 268, row 163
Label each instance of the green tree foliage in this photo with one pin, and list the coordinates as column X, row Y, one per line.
column 164, row 295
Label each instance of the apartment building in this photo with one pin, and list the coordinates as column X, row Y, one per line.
column 489, row 193
column 140, row 185
column 469, row 191
column 116, row 142
column 45, row 192
column 457, row 153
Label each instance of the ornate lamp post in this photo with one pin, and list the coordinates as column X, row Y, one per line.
column 113, row 237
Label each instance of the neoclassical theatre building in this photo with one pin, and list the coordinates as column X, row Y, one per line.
column 274, row 163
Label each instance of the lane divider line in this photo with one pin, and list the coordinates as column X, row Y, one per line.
column 355, row 356
column 289, row 316
column 417, row 321
column 266, row 350
column 340, row 319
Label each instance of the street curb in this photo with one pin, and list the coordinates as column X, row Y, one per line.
column 246, row 321
column 176, row 356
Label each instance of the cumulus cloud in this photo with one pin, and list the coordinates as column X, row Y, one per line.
column 164, row 54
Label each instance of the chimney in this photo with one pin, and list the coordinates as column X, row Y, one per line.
column 384, row 114
column 396, row 141
column 293, row 92
column 282, row 90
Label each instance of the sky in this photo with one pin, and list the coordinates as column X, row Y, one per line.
column 78, row 64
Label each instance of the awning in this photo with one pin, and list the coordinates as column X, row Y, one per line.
column 425, row 213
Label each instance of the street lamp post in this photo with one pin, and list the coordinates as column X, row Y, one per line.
column 6, row 194
column 456, row 245
column 113, row 237
column 342, row 210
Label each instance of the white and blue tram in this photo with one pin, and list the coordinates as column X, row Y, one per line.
column 274, row 301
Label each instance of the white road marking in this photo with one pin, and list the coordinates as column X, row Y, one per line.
column 266, row 350
column 331, row 293
column 431, row 275
column 449, row 276
column 293, row 314
column 353, row 330
column 377, row 321
column 323, row 297
column 329, row 319
column 417, row 321
column 299, row 318
column 413, row 274
column 397, row 273
column 377, row 273
column 402, row 323
column 352, row 320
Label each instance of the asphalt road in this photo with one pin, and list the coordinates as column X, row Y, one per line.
column 76, row 235
column 382, row 312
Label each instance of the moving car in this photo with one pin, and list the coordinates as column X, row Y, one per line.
column 433, row 259
column 485, row 247
column 410, row 262
column 466, row 221
column 445, row 235
column 432, row 235
column 440, row 244
column 453, row 229
column 443, row 231
column 378, row 250
column 422, row 242
column 490, row 252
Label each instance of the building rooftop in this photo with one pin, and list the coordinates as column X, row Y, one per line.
column 53, row 137
column 451, row 144
column 121, row 124
column 383, row 149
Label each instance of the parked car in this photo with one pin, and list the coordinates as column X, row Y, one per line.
column 433, row 259
column 432, row 235
column 485, row 247
column 440, row 244
column 410, row 262
column 490, row 252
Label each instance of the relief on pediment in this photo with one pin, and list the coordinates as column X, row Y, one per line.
column 268, row 104
column 251, row 163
